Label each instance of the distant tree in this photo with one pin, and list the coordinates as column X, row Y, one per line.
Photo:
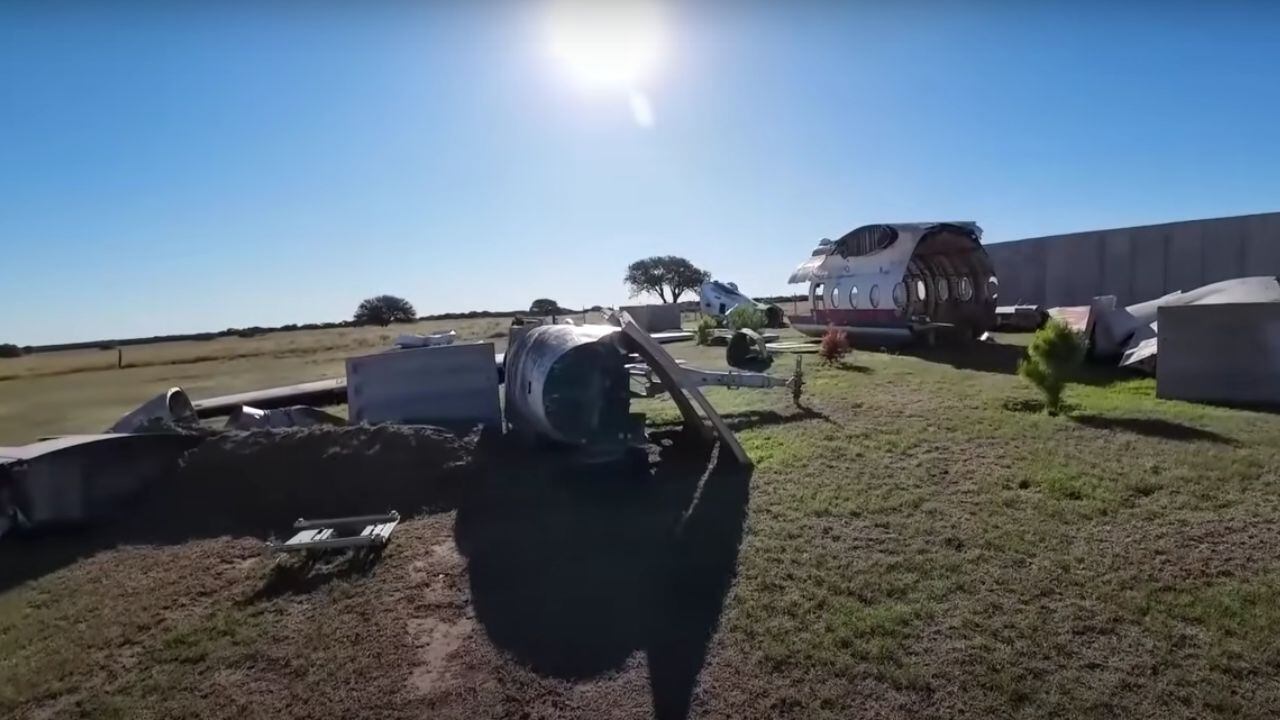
column 384, row 310
column 546, row 306
column 666, row 276
column 9, row 350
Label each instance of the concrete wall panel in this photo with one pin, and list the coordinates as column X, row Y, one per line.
column 1183, row 262
column 1220, row 353
column 1224, row 249
column 1021, row 270
column 1147, row 280
column 1117, row 266
column 1072, row 266
column 1136, row 264
column 1262, row 245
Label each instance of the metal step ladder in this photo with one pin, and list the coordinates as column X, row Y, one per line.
column 339, row 533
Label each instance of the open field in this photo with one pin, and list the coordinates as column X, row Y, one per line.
column 79, row 391
column 915, row 541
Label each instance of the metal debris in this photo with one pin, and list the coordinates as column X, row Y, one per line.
column 568, row 384
column 76, row 478
column 669, row 372
column 332, row 391
column 337, row 534
column 447, row 385
column 171, row 407
column 746, row 348
column 251, row 418
column 1222, row 353
column 1131, row 333
column 810, row 346
column 437, row 339
column 722, row 336
column 656, row 317
column 1020, row 318
column 717, row 299
column 671, row 336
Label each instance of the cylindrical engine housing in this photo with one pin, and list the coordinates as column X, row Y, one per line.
column 569, row 384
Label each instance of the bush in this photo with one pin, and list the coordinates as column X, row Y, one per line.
column 749, row 317
column 703, row 330
column 835, row 345
column 1052, row 356
column 9, row 350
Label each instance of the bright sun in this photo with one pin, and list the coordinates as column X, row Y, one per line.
column 608, row 43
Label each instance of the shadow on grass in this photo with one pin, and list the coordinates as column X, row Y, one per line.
column 762, row 418
column 1103, row 374
column 573, row 569
column 752, row 364
column 1152, row 427
column 983, row 357
column 256, row 485
column 853, row 368
column 1035, row 406
column 303, row 574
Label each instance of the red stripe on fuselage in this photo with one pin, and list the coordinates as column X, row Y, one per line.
column 853, row 318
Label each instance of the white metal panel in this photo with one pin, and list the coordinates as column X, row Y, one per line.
column 450, row 385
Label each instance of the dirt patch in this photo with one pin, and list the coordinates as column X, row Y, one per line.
column 435, row 640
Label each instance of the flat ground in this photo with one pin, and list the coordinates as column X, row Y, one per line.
column 917, row 540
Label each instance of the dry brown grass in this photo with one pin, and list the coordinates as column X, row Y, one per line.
column 79, row 391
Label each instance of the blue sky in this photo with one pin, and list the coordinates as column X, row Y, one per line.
column 183, row 168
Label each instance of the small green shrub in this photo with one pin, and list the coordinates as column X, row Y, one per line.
column 1054, row 353
column 703, row 330
column 746, row 316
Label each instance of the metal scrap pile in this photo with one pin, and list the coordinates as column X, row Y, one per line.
column 567, row 386
column 1129, row 336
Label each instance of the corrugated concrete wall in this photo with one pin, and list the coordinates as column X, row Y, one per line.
column 1220, row 353
column 1136, row 264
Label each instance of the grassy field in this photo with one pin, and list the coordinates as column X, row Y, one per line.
column 916, row 540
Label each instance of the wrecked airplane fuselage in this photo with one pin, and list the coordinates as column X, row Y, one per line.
column 718, row 299
column 895, row 282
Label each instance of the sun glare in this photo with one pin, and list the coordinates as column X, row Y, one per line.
column 608, row 43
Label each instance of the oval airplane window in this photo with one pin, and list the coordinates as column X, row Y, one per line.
column 853, row 296
column 993, row 287
column 944, row 288
column 875, row 296
column 900, row 295
column 817, row 297
column 965, row 289
column 835, row 297
column 921, row 289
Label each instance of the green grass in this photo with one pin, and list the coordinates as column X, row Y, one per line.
column 922, row 545
column 919, row 543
